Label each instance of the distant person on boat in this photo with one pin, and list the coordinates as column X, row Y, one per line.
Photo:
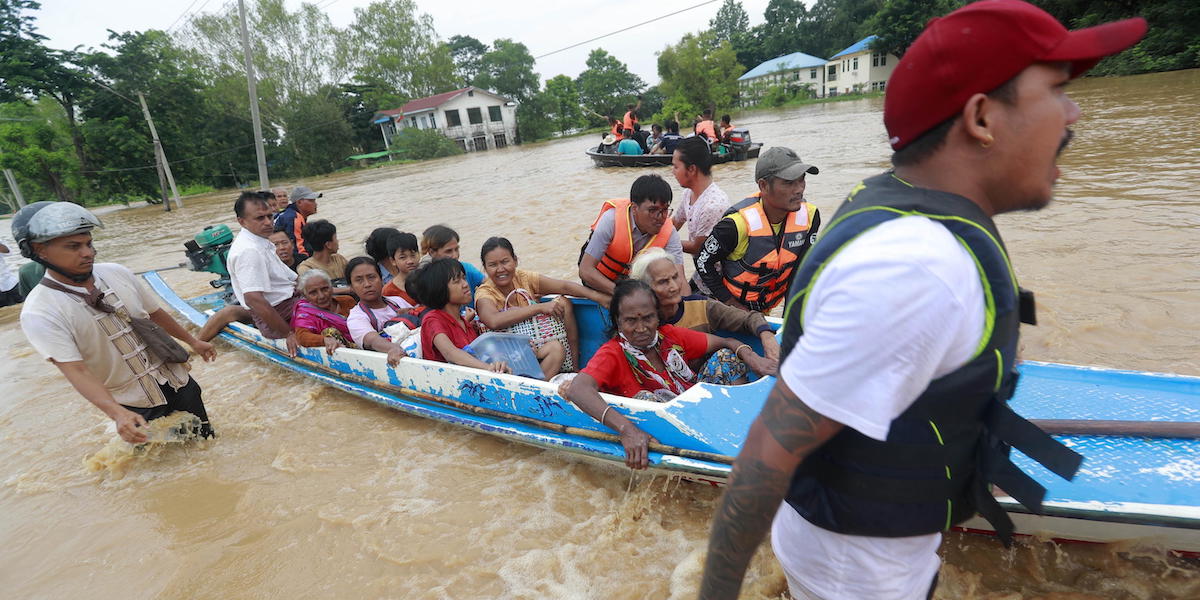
column 703, row 314
column 442, row 286
column 630, row 144
column 322, row 238
column 615, row 128
column 724, row 129
column 503, row 300
column 626, row 227
column 320, row 316
column 261, row 282
column 10, row 283
column 236, row 312
column 670, row 140
column 656, row 134
column 376, row 246
column 292, row 219
column 284, row 248
column 608, row 144
column 706, row 128
column 439, row 241
column 79, row 319
column 374, row 313
column 704, row 203
column 648, row 361
column 402, row 247
column 281, row 199
column 750, row 254
column 903, row 326
column 630, row 120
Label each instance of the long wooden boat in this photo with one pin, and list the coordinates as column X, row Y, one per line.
column 1135, row 489
column 604, row 159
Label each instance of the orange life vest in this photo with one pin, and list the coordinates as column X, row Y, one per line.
column 619, row 255
column 705, row 128
column 630, row 121
column 616, row 131
column 760, row 278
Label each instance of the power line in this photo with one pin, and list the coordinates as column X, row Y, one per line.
column 576, row 45
column 181, row 15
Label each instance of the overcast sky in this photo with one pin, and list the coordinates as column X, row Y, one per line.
column 543, row 26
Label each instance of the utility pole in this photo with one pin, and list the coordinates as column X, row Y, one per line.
column 160, row 157
column 263, row 182
column 16, row 189
column 386, row 146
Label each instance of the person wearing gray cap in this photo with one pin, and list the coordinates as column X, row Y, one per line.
column 293, row 218
column 748, row 259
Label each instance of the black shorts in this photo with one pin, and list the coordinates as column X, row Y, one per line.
column 11, row 297
column 187, row 399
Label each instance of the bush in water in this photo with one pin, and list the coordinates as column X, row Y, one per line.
column 420, row 144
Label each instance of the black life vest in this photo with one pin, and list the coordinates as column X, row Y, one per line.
column 942, row 453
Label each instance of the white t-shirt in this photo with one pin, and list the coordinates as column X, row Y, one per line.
column 360, row 325
column 8, row 276
column 702, row 215
column 254, row 267
column 897, row 308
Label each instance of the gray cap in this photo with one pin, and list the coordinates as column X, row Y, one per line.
column 302, row 193
column 782, row 163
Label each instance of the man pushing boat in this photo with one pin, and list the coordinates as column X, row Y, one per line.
column 889, row 420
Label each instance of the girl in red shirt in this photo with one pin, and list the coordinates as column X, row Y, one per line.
column 643, row 360
column 442, row 286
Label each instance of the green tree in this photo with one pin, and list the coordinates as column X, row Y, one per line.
column 37, row 148
column 699, row 73
column 467, row 53
column 392, row 43
column 420, row 144
column 899, row 22
column 731, row 22
column 836, row 24
column 533, row 120
column 317, row 137
column 606, row 86
column 507, row 69
column 563, row 99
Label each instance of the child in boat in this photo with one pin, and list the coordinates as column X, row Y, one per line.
column 402, row 248
column 442, row 286
column 501, row 303
column 439, row 241
column 374, row 311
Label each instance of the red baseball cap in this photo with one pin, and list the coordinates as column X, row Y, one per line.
column 978, row 48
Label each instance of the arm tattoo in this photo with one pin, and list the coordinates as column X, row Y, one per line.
column 759, row 481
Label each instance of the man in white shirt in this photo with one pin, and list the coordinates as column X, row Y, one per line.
column 889, row 419
column 78, row 318
column 9, row 292
column 261, row 282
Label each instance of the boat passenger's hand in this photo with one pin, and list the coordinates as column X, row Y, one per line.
column 637, row 447
column 205, row 350
column 292, row 344
column 499, row 367
column 129, row 426
column 469, row 314
column 761, row 365
column 558, row 308
column 770, row 347
column 395, row 354
column 565, row 387
column 331, row 344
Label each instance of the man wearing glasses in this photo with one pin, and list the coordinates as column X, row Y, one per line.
column 750, row 256
column 627, row 227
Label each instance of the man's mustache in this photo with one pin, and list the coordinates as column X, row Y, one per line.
column 1067, row 137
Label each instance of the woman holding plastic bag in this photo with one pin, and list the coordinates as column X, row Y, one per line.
column 509, row 301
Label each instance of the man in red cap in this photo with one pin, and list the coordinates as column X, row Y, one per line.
column 889, row 419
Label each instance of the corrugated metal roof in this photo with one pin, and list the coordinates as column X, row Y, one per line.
column 787, row 62
column 860, row 46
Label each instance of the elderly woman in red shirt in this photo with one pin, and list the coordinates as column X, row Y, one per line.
column 643, row 360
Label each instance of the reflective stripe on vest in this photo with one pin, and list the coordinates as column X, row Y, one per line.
column 619, row 255
column 762, row 275
column 941, row 454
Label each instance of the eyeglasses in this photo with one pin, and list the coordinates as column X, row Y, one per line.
column 657, row 211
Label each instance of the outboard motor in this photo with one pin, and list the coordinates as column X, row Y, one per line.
column 739, row 142
column 209, row 253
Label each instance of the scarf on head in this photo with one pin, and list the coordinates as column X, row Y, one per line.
column 676, row 379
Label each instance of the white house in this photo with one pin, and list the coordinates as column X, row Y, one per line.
column 474, row 118
column 791, row 71
column 858, row 69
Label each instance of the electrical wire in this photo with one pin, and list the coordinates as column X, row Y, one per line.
column 576, row 45
column 181, row 15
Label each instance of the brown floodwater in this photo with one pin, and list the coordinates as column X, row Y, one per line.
column 314, row 493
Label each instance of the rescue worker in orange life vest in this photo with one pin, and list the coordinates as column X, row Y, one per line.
column 627, row 227
column 749, row 258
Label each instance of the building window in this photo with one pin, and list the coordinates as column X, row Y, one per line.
column 462, row 144
column 831, row 74
column 832, row 92
column 855, row 67
column 795, row 75
column 475, row 116
column 494, row 114
column 878, row 59
column 412, row 121
column 500, row 141
column 812, row 73
column 432, row 121
column 480, row 143
column 452, row 118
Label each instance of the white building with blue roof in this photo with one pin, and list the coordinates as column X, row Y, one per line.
column 856, row 69
column 791, row 71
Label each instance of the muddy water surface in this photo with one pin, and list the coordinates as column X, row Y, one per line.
column 312, row 493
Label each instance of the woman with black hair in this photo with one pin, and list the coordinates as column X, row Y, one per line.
column 643, row 360
column 376, row 248
column 442, row 286
column 374, row 311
